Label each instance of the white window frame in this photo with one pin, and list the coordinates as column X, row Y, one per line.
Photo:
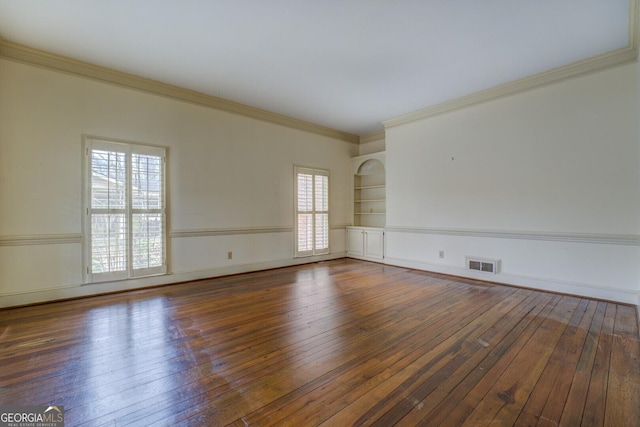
column 314, row 212
column 128, row 149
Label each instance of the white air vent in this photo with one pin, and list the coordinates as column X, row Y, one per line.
column 483, row 264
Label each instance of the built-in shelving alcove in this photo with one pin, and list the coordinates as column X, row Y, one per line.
column 366, row 237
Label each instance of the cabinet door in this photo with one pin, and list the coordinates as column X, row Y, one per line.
column 374, row 244
column 355, row 238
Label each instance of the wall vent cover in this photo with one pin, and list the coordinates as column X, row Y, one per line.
column 483, row 264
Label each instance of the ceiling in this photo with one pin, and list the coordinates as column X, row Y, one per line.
column 343, row 64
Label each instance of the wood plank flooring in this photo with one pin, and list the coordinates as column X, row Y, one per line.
column 339, row 343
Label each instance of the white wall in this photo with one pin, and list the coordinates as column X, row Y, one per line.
column 547, row 181
column 228, row 174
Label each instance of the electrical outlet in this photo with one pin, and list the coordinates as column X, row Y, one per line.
column 229, row 255
column 441, row 254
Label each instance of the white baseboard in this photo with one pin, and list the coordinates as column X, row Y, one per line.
column 76, row 291
column 552, row 285
column 545, row 284
column 184, row 276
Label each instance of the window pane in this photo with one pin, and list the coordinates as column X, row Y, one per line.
column 305, row 192
column 108, row 243
column 322, row 193
column 322, row 231
column 312, row 202
column 305, row 232
column 147, row 243
column 146, row 181
column 126, row 212
column 108, row 179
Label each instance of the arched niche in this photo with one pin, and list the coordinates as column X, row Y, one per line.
column 370, row 167
column 370, row 164
column 369, row 196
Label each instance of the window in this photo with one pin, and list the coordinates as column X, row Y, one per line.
column 124, row 210
column 312, row 211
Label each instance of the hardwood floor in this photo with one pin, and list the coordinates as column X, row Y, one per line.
column 339, row 343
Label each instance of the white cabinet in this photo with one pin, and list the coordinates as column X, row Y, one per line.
column 355, row 242
column 374, row 243
column 365, row 242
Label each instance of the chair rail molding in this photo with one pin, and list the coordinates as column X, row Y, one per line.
column 40, row 239
column 607, row 239
column 229, row 231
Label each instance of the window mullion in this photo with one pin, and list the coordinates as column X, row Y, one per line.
column 313, row 213
column 129, row 213
column 143, row 211
column 107, row 211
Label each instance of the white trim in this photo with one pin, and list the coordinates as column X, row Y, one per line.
column 586, row 66
column 76, row 238
column 74, row 291
column 357, row 161
column 207, row 232
column 249, row 267
column 371, row 137
column 598, row 63
column 588, row 290
column 605, row 239
column 41, row 239
column 229, row 231
column 25, row 54
column 39, row 290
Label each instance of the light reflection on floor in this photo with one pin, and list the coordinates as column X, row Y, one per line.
column 129, row 343
column 314, row 294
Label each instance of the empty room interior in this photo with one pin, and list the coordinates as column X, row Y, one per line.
column 321, row 213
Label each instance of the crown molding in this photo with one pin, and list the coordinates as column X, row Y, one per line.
column 25, row 54
column 374, row 136
column 597, row 63
column 586, row 66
